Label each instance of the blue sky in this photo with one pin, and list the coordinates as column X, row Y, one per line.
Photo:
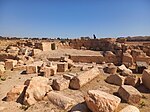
column 74, row 18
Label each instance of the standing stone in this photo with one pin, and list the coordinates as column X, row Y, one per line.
column 83, row 78
column 130, row 108
column 115, row 79
column 48, row 71
column 9, row 64
column 146, row 78
column 60, row 84
column 30, row 69
column 2, row 70
column 62, row 67
column 129, row 94
column 46, row 46
column 99, row 101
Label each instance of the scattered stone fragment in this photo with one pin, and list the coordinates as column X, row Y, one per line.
column 146, row 78
column 19, row 67
column 2, row 70
column 62, row 67
column 48, row 71
column 12, row 49
column 129, row 94
column 60, row 100
column 115, row 79
column 83, row 78
column 99, row 101
column 36, row 51
column 111, row 69
column 127, row 59
column 23, row 51
column 16, row 93
column 80, row 107
column 85, row 68
column 132, row 80
column 30, row 69
column 9, row 64
column 36, row 90
column 60, row 84
column 130, row 108
column 126, row 73
column 69, row 76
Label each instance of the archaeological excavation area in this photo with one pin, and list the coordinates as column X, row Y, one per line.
column 74, row 75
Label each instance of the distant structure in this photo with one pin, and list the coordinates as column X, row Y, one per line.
column 94, row 36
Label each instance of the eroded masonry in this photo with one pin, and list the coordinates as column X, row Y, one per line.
column 75, row 75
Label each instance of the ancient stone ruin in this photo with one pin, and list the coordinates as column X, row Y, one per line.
column 75, row 75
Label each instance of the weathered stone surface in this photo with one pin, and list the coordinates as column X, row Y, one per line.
column 5, row 56
column 99, row 101
column 132, row 80
column 20, row 62
column 130, row 108
column 9, row 64
column 146, row 78
column 62, row 67
column 26, row 59
column 2, row 70
column 38, row 63
column 37, row 89
column 2, row 63
column 115, row 79
column 12, row 49
column 136, row 53
column 16, row 93
column 129, row 94
column 111, row 69
column 83, row 78
column 19, row 67
column 48, row 71
column 30, row 69
column 60, row 100
column 36, row 51
column 127, row 59
column 69, row 61
column 23, row 51
column 85, row 68
column 124, row 71
column 60, row 83
column 80, row 107
column 46, row 46
column 69, row 76
column 110, row 57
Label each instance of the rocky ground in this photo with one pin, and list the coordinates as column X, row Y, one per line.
column 12, row 78
column 15, row 78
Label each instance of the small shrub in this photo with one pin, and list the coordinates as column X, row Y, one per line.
column 142, row 104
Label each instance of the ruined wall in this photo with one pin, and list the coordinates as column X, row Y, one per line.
column 93, row 44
